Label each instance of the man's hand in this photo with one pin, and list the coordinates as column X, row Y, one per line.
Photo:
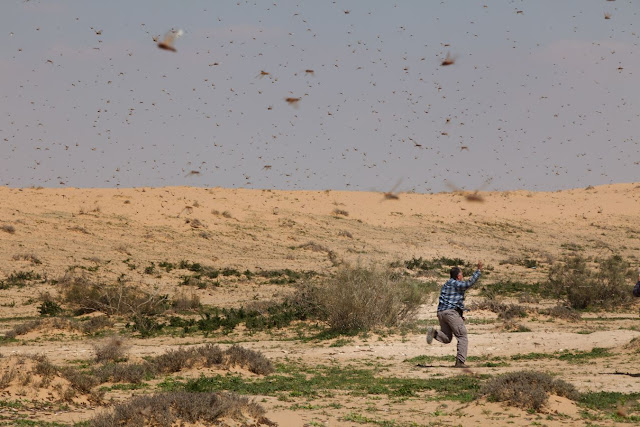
column 480, row 265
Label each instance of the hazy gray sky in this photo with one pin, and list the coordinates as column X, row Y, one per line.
column 543, row 95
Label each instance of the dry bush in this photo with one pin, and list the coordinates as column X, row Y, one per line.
column 195, row 223
column 361, row 298
column 561, row 312
column 32, row 258
column 252, row 360
column 112, row 349
column 182, row 302
column 86, row 296
column 320, row 248
column 133, row 373
column 8, row 228
column 210, row 355
column 178, row 408
column 174, row 360
column 122, row 248
column 581, row 287
column 527, row 389
column 90, row 326
column 94, row 324
column 345, row 233
column 23, row 328
column 527, row 298
column 504, row 311
column 62, row 384
column 79, row 381
column 342, row 212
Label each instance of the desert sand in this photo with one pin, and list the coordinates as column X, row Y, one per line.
column 109, row 233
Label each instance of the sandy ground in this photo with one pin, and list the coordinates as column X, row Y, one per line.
column 110, row 232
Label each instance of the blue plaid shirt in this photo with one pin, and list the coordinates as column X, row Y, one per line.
column 452, row 293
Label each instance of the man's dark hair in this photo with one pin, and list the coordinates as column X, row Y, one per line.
column 454, row 272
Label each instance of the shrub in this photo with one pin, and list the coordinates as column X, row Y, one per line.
column 23, row 328
column 561, row 312
column 177, row 408
column 182, row 302
column 112, row 349
column 527, row 389
column 8, row 228
column 86, row 296
column 582, row 288
column 95, row 324
column 27, row 257
column 49, row 308
column 132, row 373
column 19, row 279
column 359, row 298
column 252, row 360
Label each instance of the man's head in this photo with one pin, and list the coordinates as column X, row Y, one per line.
column 456, row 273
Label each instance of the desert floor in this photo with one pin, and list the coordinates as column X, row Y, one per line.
column 284, row 238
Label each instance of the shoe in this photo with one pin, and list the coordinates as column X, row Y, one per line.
column 431, row 334
column 459, row 364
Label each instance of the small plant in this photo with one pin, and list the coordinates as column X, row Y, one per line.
column 151, row 269
column 8, row 228
column 182, row 302
column 49, row 308
column 113, row 349
column 338, row 212
column 527, row 389
column 27, row 257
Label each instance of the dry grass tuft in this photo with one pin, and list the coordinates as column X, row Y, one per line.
column 527, row 389
column 32, row 258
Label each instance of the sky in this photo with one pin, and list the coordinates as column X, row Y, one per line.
column 542, row 95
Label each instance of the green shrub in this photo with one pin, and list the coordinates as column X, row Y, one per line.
column 361, row 298
column 49, row 308
column 583, row 288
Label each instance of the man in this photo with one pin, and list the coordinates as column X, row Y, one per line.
column 450, row 313
column 636, row 288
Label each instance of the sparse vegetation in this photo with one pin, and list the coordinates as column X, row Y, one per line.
column 573, row 281
column 527, row 389
column 360, row 298
column 8, row 228
column 113, row 349
column 168, row 409
column 86, row 296
column 32, row 258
